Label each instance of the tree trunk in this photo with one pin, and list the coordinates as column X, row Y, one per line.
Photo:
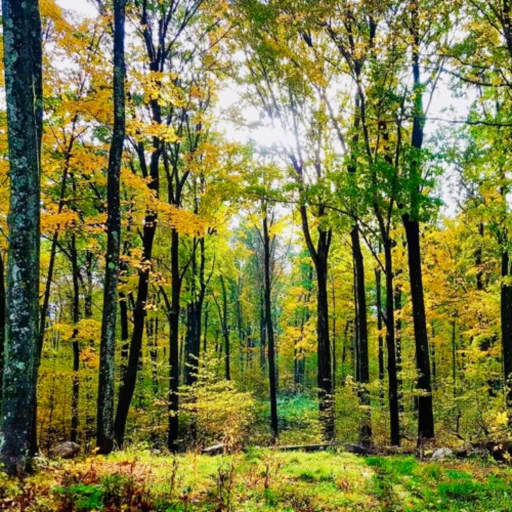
column 105, row 415
column 425, row 407
column 23, row 90
column 125, row 333
column 174, row 344
column 412, row 230
column 75, row 342
column 194, row 315
column 362, row 323
column 127, row 387
column 205, row 330
column 225, row 328
column 90, row 429
column 324, row 377
column 378, row 288
column 334, row 336
column 506, row 324
column 270, row 328
column 3, row 313
column 398, row 334
column 263, row 334
column 394, row 416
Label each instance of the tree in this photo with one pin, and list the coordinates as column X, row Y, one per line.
column 105, row 419
column 23, row 78
column 266, row 238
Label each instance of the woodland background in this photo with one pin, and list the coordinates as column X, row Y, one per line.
column 303, row 286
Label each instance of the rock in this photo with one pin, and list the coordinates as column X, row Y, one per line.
column 442, row 453
column 66, row 450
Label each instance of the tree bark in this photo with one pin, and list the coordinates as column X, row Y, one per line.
column 225, row 328
column 174, row 344
column 425, row 406
column 129, row 381
column 194, row 316
column 398, row 337
column 3, row 318
column 270, row 327
column 362, row 323
column 324, row 377
column 23, row 81
column 412, row 230
column 263, row 333
column 378, row 288
column 75, row 342
column 394, row 416
column 127, row 387
column 105, row 415
column 506, row 324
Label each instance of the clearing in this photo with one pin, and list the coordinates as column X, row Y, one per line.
column 260, row 480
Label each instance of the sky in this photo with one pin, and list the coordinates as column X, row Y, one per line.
column 444, row 106
column 82, row 6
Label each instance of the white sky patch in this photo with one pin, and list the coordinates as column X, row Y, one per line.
column 84, row 7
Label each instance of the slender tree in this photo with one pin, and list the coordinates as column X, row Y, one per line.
column 105, row 418
column 267, row 240
column 412, row 231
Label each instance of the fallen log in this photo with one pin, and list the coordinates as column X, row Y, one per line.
column 357, row 449
column 304, row 447
column 216, row 449
column 501, row 451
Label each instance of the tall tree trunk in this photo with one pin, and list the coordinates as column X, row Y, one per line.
column 324, row 377
column 23, row 84
column 174, row 344
column 194, row 315
column 363, row 363
column 225, row 329
column 478, row 258
column 87, row 285
column 270, row 327
column 75, row 342
column 378, row 288
column 425, row 407
column 398, row 334
column 263, row 333
column 334, row 336
column 394, row 416
column 433, row 355
column 125, row 332
column 506, row 323
column 205, row 330
column 105, row 415
column 127, row 387
column 191, row 357
column 356, row 358
column 129, row 381
column 412, row 231
column 3, row 319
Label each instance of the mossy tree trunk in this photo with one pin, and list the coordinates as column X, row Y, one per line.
column 23, row 80
column 3, row 313
column 105, row 417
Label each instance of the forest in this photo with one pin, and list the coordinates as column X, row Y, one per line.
column 256, row 255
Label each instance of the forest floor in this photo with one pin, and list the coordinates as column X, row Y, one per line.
column 260, row 480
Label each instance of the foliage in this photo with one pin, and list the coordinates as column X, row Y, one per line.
column 217, row 411
column 264, row 480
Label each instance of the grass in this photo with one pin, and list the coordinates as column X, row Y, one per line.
column 260, row 480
